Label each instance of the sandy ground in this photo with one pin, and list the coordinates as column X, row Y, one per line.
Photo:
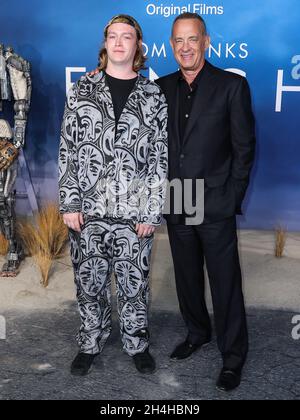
column 269, row 282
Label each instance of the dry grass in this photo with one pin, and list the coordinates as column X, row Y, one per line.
column 44, row 262
column 3, row 245
column 53, row 231
column 280, row 242
column 45, row 238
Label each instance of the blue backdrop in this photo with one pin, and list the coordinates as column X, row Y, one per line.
column 260, row 38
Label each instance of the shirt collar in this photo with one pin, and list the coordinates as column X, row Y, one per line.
column 195, row 81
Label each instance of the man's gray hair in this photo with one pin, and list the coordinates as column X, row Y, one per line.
column 189, row 15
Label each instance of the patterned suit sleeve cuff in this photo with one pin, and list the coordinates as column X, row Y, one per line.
column 70, row 208
column 151, row 220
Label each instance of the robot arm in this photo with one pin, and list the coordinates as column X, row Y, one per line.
column 19, row 74
column 4, row 83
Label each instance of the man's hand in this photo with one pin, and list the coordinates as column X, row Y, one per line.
column 74, row 221
column 144, row 230
column 8, row 153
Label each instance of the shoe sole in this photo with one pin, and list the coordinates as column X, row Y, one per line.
column 147, row 373
column 74, row 373
column 224, row 391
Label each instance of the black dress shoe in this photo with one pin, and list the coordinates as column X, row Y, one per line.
column 144, row 362
column 82, row 364
column 228, row 380
column 186, row 349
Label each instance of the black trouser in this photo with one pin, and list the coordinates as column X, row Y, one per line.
column 216, row 243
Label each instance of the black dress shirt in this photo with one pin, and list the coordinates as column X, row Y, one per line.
column 186, row 99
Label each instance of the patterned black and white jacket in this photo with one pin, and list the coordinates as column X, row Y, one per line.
column 109, row 171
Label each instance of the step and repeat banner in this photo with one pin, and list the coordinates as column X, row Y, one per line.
column 258, row 38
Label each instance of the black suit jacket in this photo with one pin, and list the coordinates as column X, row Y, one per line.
column 219, row 140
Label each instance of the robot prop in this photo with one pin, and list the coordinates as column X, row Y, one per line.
column 15, row 85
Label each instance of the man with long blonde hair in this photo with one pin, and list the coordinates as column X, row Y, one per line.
column 113, row 166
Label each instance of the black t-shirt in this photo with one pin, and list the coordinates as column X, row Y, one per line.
column 120, row 90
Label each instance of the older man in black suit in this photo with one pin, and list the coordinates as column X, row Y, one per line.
column 211, row 137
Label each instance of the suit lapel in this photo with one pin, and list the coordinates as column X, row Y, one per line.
column 204, row 90
column 102, row 89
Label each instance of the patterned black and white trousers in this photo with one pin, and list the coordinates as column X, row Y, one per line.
column 103, row 247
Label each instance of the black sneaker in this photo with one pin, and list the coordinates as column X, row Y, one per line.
column 82, row 364
column 144, row 362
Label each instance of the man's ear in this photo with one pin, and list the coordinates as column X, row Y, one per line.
column 207, row 41
column 171, row 43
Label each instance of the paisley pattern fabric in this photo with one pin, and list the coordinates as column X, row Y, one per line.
column 106, row 171
column 103, row 247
